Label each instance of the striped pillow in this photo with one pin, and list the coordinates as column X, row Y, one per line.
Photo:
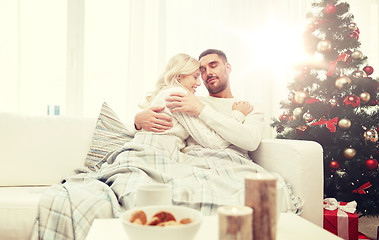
column 110, row 134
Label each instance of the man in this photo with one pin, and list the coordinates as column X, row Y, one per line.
column 216, row 110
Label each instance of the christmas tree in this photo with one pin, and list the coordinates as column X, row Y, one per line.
column 333, row 100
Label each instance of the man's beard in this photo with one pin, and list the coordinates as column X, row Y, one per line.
column 216, row 89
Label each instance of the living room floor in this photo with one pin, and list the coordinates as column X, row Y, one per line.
column 369, row 227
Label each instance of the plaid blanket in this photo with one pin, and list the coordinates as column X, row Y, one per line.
column 203, row 179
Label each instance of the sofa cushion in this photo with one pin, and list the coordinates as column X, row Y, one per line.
column 42, row 150
column 110, row 134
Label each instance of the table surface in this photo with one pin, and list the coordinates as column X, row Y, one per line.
column 290, row 227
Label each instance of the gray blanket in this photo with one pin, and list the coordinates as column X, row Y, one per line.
column 204, row 179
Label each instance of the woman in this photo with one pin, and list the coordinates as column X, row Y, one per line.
column 182, row 75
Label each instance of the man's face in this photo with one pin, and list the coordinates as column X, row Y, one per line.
column 215, row 73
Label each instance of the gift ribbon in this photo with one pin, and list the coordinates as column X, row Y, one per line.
column 332, row 204
column 361, row 189
column 331, row 124
column 312, row 100
column 342, row 217
column 343, row 57
column 355, row 33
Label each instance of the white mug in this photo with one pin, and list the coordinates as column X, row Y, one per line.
column 152, row 194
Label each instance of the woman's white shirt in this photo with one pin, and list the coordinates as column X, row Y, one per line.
column 185, row 125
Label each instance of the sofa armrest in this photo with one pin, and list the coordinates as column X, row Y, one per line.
column 300, row 163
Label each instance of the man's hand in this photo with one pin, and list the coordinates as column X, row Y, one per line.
column 244, row 107
column 153, row 119
column 186, row 103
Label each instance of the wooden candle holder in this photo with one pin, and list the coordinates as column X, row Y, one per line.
column 260, row 195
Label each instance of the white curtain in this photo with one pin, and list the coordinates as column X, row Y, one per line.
column 78, row 54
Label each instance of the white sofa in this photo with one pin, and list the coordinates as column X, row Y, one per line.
column 37, row 151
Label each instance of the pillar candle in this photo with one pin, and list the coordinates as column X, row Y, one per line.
column 260, row 195
column 235, row 222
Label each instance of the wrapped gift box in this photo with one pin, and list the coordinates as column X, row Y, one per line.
column 361, row 236
column 341, row 223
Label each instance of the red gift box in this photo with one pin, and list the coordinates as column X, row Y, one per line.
column 361, row 236
column 340, row 222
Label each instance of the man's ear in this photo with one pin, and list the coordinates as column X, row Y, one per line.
column 228, row 67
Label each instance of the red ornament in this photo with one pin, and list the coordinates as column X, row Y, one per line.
column 371, row 164
column 330, row 9
column 284, row 117
column 352, row 100
column 373, row 102
column 334, row 165
column 368, row 70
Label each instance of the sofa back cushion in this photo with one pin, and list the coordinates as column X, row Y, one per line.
column 110, row 134
column 42, row 150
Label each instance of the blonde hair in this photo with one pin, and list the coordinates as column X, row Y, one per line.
column 180, row 64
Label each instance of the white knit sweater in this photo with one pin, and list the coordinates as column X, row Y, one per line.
column 185, row 125
column 244, row 134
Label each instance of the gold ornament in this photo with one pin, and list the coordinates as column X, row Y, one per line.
column 357, row 55
column 307, row 117
column 301, row 129
column 297, row 111
column 359, row 74
column 344, row 123
column 352, row 26
column 300, row 97
column 315, row 87
column 324, row 46
column 333, row 102
column 342, row 81
column 291, row 96
column 349, row 152
column 371, row 135
column 365, row 97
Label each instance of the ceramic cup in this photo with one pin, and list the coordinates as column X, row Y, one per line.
column 152, row 194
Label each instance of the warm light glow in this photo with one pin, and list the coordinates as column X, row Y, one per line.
column 277, row 45
column 234, row 210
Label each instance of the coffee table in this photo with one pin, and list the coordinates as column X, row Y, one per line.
column 290, row 227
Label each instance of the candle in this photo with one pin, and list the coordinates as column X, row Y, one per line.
column 235, row 223
column 260, row 195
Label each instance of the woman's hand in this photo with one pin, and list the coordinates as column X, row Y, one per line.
column 243, row 106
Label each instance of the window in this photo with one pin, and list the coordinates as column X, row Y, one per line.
column 34, row 56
